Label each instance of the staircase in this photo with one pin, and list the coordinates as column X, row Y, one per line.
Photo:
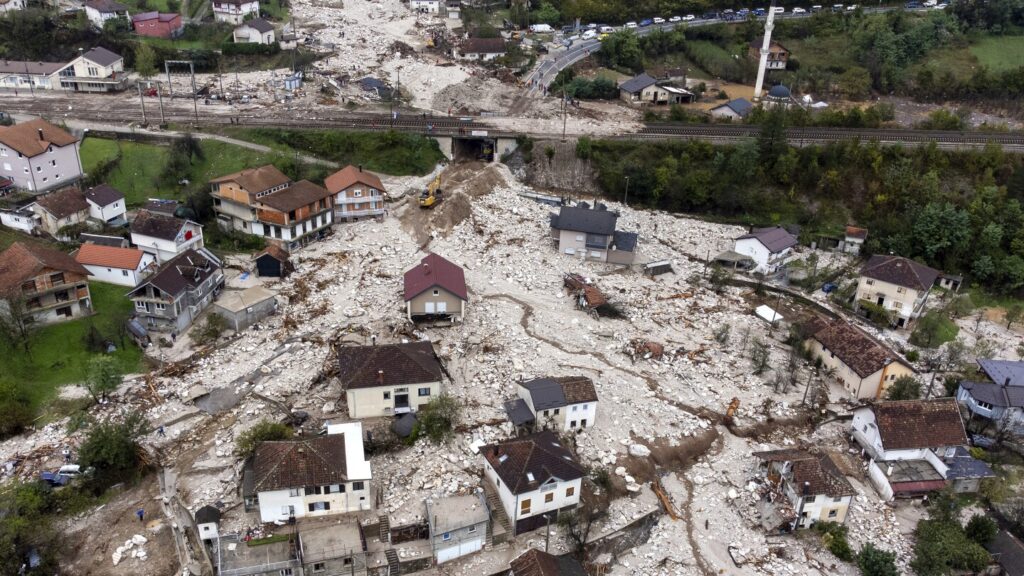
column 394, row 568
column 385, row 529
column 497, row 510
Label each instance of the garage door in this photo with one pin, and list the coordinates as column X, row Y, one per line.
column 453, row 552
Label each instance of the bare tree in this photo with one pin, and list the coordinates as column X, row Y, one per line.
column 759, row 355
column 16, row 323
column 577, row 524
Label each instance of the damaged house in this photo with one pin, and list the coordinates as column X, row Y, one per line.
column 591, row 234
column 998, row 401
column 178, row 292
column 563, row 404
column 388, row 379
column 863, row 367
column 803, row 489
column 435, row 288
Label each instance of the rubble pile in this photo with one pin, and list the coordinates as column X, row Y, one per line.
column 132, row 548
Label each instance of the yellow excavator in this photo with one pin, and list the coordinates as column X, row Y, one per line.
column 432, row 195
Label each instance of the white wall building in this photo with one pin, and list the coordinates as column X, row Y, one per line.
column 23, row 219
column 38, row 156
column 165, row 236
column 234, row 11
column 123, row 266
column 106, row 205
column 562, row 404
column 425, row 6
column 100, row 12
column 898, row 285
column 769, row 247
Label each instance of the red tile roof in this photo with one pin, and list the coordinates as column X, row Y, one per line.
column 910, row 424
column 317, row 461
column 540, row 457
column 432, row 271
column 900, row 271
column 350, row 175
column 109, row 256
column 25, row 137
column 22, row 262
column 387, row 365
column 854, row 348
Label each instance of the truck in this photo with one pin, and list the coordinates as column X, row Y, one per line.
column 541, row 28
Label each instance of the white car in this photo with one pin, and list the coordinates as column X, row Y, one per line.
column 631, row 25
column 589, row 35
column 689, row 17
column 941, row 6
column 851, row 7
column 930, row 3
column 675, row 19
column 778, row 9
column 659, row 20
column 799, row 10
column 606, row 30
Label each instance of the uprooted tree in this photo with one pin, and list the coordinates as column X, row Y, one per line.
column 16, row 323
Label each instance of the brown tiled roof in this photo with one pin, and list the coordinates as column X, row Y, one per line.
column 483, row 46
column 855, row 232
column 782, row 455
column 909, row 424
column 350, row 175
column 577, row 389
column 254, row 180
column 299, row 194
column 22, row 262
column 540, row 455
column 185, row 271
column 900, row 271
column 818, row 472
column 536, row 562
column 103, row 195
column 25, row 137
column 854, row 348
column 109, row 256
column 106, row 6
column 276, row 252
column 432, row 271
column 387, row 365
column 157, row 225
column 63, row 203
column 314, row 461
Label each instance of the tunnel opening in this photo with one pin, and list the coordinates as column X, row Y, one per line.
column 473, row 149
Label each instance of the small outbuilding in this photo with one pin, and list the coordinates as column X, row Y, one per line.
column 208, row 521
column 243, row 308
column 274, row 262
column 435, row 288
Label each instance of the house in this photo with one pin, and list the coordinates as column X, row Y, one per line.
column 1008, row 552
column 591, row 233
column 453, row 9
column 158, row 24
column 257, row 31
column 535, row 477
column 274, row 262
column 38, row 156
column 102, row 240
column 803, row 489
column 357, row 194
column 897, row 285
column 425, row 6
column 208, row 522
column 388, row 379
column 999, row 400
column 20, row 217
column 770, row 248
column 435, row 288
column 61, row 208
column 315, row 476
column 19, row 74
column 536, row 562
column 853, row 240
column 951, row 282
column 294, row 216
column 458, row 525
column 862, row 366
column 234, row 195
column 480, row 49
column 778, row 55
column 100, row 11
column 98, row 70
column 11, row 5
column 736, row 109
column 115, row 265
column 909, row 443
column 243, row 308
column 648, row 90
column 52, row 285
column 234, row 11
column 332, row 547
column 567, row 403
column 106, row 205
column 177, row 293
column 161, row 206
column 165, row 236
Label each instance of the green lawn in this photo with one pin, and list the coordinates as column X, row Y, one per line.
column 274, row 10
column 999, row 53
column 138, row 6
column 59, row 355
column 180, row 44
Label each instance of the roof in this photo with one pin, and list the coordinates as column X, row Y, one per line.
column 779, row 91
column 547, row 393
column 63, row 203
column 741, row 106
column 22, row 262
column 207, row 515
column 1008, row 551
column 590, row 221
column 275, row 252
column 254, row 180
column 259, row 25
column 299, row 194
column 454, row 512
column 103, row 240
column 161, row 206
column 370, row 84
column 759, row 41
column 775, row 239
column 109, row 256
column 316, row 461
column 518, row 412
column 817, row 471
column 855, row 232
column 351, row 175
column 637, row 83
column 995, row 394
column 161, row 16
column 238, row 300
column 963, row 465
column 388, row 365
column 483, row 46
column 106, row 6
column 185, row 271
column 324, row 539
column 625, row 241
column 103, row 195
column 536, row 562
column 1003, row 371
column 910, row 424
column 26, row 137
column 524, row 464
column 157, row 225
column 32, row 68
column 434, row 270
column 860, row 352
column 900, row 271
column 101, row 55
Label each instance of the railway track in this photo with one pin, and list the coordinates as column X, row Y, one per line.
column 822, row 134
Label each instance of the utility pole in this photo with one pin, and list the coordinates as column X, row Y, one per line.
column 565, row 112
column 160, row 99
column 31, row 84
column 625, row 198
column 195, row 96
column 142, row 101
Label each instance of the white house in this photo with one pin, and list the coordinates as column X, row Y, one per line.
column 425, row 6
column 737, row 109
column 98, row 70
column 853, row 239
column 124, row 266
column 861, row 365
column 106, row 205
column 1000, row 400
column 317, row 476
column 482, row 49
column 535, row 478
column 896, row 284
column 388, row 379
column 20, row 218
column 257, row 31
column 28, row 76
column 234, row 11
column 804, row 489
column 165, row 236
column 11, row 5
column 770, row 248
column 38, row 156
column 458, row 525
column 100, row 11
column 561, row 403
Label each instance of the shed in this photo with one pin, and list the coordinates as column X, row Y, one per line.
column 658, row 268
column 274, row 262
column 243, row 308
column 207, row 520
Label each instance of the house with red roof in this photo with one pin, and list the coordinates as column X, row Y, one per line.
column 158, row 24
column 435, row 289
column 116, row 265
column 51, row 284
column 357, row 194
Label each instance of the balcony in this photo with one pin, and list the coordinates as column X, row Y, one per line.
column 358, row 213
column 359, row 199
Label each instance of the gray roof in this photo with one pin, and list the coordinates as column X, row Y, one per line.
column 1008, row 551
column 625, row 241
column 260, row 25
column 207, row 514
column 637, row 83
column 518, row 412
column 779, row 91
column 585, row 220
column 450, row 514
column 775, row 239
column 104, row 195
column 740, row 106
column 1001, row 370
column 995, row 394
column 102, row 56
column 31, row 68
column 962, row 465
column 545, row 393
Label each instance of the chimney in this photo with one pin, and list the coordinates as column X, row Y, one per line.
column 426, row 268
column 807, row 488
column 360, row 167
column 300, row 450
column 495, row 449
column 1006, row 382
column 380, row 377
column 40, row 130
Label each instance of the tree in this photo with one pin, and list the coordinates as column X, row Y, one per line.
column 1013, row 314
column 759, row 355
column 263, row 431
column 874, row 561
column 15, row 409
column 719, row 278
column 439, row 417
column 547, row 14
column 577, row 524
column 961, row 306
column 981, row 529
column 111, row 448
column 17, row 323
column 929, row 329
column 549, row 153
column 904, row 388
column 145, row 60
column 771, row 140
column 102, row 376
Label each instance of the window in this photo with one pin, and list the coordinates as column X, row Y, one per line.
column 833, row 513
column 288, row 510
column 39, row 168
column 124, row 272
column 3, row 151
column 293, row 492
column 984, row 405
column 319, row 506
column 446, row 536
column 436, row 293
column 160, row 307
column 29, row 286
column 53, row 163
column 472, row 529
column 335, row 488
column 549, row 497
column 424, row 392
column 572, row 424
column 64, row 311
column 141, row 306
column 357, row 193
column 57, row 278
column 869, row 282
column 574, row 408
column 570, row 491
column 387, row 395
column 524, row 507
column 357, row 485
column 285, row 572
column 583, row 423
column 545, row 413
column 901, row 290
column 557, row 410
column 837, row 499
column 809, row 499
column 314, row 490
column 96, row 72
column 319, row 567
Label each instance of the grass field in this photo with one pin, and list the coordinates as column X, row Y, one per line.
column 999, row 53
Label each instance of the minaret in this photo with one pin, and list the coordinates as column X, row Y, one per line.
column 769, row 23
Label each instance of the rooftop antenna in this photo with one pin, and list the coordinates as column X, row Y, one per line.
column 766, row 43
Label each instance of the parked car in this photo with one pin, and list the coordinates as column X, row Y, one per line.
column 603, row 37
column 816, row 8
column 605, row 29
column 659, row 21
column 630, row 25
column 675, row 19
column 689, row 17
column 778, row 9
column 930, row 3
column 941, row 6
column 913, row 5
column 646, row 22
column 589, row 35
column 759, row 12
column 837, row 7
column 591, row 26
column 851, row 7
column 799, row 10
